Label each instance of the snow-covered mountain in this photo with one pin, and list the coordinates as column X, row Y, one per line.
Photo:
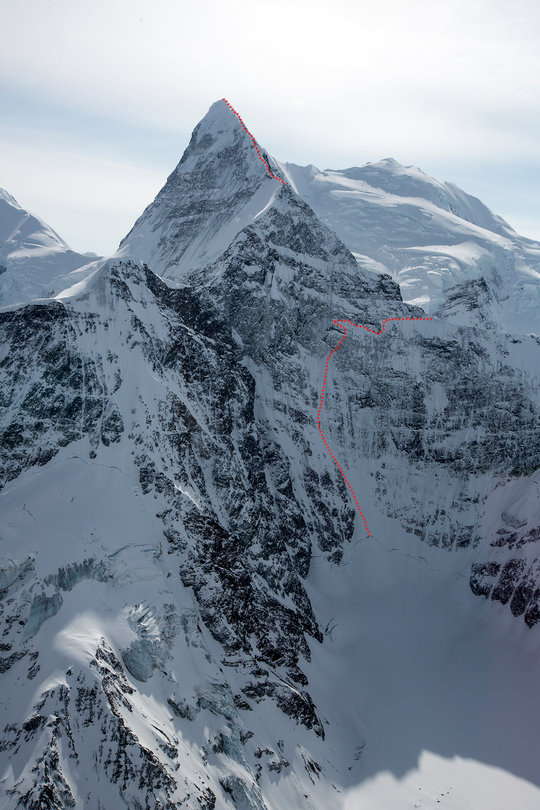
column 193, row 613
column 447, row 251
column 219, row 187
column 34, row 261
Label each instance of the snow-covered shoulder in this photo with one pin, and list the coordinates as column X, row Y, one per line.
column 35, row 262
column 448, row 252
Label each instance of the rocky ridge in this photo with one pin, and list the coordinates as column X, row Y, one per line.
column 162, row 469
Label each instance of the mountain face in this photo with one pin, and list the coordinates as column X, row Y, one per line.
column 193, row 615
column 219, row 187
column 34, row 261
column 448, row 252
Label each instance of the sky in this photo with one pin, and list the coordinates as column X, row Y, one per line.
column 100, row 98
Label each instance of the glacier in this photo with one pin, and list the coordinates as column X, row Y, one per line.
column 448, row 252
column 193, row 615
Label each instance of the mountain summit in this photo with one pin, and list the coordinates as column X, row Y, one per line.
column 219, row 187
column 444, row 247
column 193, row 617
column 34, row 260
column 447, row 251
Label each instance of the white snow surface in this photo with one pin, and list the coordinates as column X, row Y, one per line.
column 428, row 695
column 234, row 191
column 429, row 236
column 425, row 695
column 34, row 260
column 412, row 678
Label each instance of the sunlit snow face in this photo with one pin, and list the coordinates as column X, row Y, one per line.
column 99, row 101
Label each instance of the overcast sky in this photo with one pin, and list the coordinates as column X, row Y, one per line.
column 100, row 98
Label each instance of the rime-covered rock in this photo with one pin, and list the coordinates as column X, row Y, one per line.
column 192, row 614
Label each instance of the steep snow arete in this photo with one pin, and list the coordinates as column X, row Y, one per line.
column 192, row 614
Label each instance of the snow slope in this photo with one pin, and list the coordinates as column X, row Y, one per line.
column 34, row 261
column 192, row 613
column 219, row 187
column 446, row 250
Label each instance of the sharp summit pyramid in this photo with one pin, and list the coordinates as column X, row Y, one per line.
column 219, row 187
column 192, row 614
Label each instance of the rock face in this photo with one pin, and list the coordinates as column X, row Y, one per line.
column 218, row 188
column 180, row 550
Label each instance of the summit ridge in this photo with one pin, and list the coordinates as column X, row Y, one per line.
column 191, row 614
column 254, row 143
column 220, row 186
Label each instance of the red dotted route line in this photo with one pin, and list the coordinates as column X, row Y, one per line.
column 254, row 143
column 339, row 323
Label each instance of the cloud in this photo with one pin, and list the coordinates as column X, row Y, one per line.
column 134, row 59
column 91, row 201
column 333, row 84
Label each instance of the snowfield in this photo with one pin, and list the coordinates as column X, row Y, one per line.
column 192, row 614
